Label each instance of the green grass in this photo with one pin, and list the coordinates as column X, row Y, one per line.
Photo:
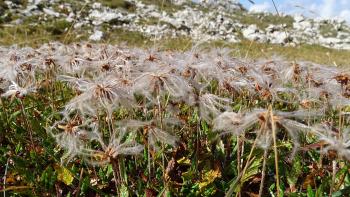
column 164, row 5
column 32, row 33
column 253, row 50
column 262, row 20
column 154, row 21
column 37, row 170
column 35, row 35
column 313, row 53
column 119, row 36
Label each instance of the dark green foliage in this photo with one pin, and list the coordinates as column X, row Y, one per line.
column 124, row 4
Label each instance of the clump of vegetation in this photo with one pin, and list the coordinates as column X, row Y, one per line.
column 91, row 119
column 263, row 20
column 328, row 30
column 164, row 5
column 124, row 4
column 58, row 27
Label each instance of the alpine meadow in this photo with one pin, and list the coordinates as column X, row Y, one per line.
column 172, row 98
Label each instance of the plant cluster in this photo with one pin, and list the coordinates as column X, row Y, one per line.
column 178, row 114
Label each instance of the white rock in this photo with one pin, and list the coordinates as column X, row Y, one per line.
column 96, row 36
column 78, row 25
column 70, row 17
column 253, row 33
column 299, row 18
column 179, row 2
column 217, row 24
column 278, row 37
column 51, row 12
column 96, row 5
column 100, row 17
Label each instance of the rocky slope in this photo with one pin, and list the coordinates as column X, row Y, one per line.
column 202, row 21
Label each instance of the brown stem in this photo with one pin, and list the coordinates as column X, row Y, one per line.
column 334, row 173
column 341, row 181
column 239, row 144
column 80, row 181
column 198, row 142
column 4, row 109
column 273, row 127
column 160, row 115
column 263, row 173
column 28, row 126
column 115, row 168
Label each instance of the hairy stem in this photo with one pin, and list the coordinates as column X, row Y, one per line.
column 263, row 173
column 29, row 128
column 116, row 175
column 334, row 173
column 273, row 127
column 5, row 174
column 80, row 181
column 239, row 144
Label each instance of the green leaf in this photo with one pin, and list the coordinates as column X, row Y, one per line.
column 295, row 172
column 208, row 178
column 124, row 191
column 48, row 178
column 204, row 126
column 109, row 170
column 64, row 175
column 343, row 192
column 14, row 115
column 271, row 188
column 310, row 192
column 253, row 169
column 18, row 148
column 84, row 186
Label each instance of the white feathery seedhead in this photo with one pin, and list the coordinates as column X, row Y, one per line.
column 228, row 122
column 117, row 144
column 211, row 105
column 154, row 133
column 15, row 90
column 107, row 78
